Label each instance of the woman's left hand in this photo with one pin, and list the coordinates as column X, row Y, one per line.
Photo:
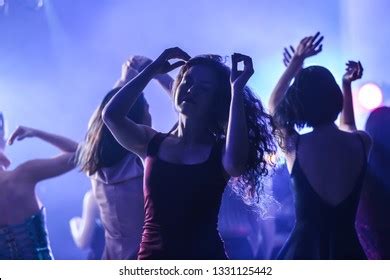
column 353, row 72
column 239, row 78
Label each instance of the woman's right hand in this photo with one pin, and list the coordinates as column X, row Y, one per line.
column 162, row 64
column 308, row 46
column 20, row 133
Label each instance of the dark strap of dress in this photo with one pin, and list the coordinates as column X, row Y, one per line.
column 155, row 142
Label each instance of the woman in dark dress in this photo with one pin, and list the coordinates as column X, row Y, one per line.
column 327, row 166
column 222, row 132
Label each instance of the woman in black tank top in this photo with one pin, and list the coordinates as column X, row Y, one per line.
column 327, row 166
column 222, row 133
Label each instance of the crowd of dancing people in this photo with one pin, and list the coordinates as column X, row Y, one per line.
column 158, row 195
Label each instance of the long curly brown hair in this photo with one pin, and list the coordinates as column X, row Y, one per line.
column 249, row 186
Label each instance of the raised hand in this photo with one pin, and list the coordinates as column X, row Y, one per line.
column 127, row 72
column 309, row 46
column 20, row 133
column 354, row 71
column 163, row 65
column 139, row 62
column 238, row 79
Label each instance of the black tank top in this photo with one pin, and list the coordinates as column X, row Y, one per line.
column 182, row 202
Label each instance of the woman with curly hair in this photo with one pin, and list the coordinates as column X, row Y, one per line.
column 328, row 165
column 222, row 133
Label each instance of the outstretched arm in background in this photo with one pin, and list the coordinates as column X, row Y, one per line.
column 40, row 169
column 309, row 46
column 354, row 71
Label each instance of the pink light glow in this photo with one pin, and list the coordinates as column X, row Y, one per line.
column 370, row 96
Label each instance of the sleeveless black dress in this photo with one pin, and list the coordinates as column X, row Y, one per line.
column 181, row 206
column 323, row 231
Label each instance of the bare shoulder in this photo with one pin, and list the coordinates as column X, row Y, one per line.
column 289, row 147
column 16, row 179
column 358, row 137
column 365, row 137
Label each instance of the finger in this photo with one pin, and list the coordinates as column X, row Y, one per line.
column 248, row 66
column 318, row 42
column 175, row 65
column 234, row 64
column 13, row 136
column 21, row 137
column 308, row 40
column 292, row 49
column 318, row 50
column 179, row 53
column 360, row 69
column 316, row 36
column 353, row 63
column 248, row 63
column 287, row 53
column 286, row 56
column 285, row 62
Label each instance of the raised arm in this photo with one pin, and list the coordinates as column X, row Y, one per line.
column 40, row 169
column 236, row 150
column 139, row 63
column 62, row 143
column 166, row 81
column 354, row 71
column 309, row 46
column 82, row 228
column 132, row 136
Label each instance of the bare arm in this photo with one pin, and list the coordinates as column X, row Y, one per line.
column 354, row 72
column 82, row 228
column 40, row 169
column 236, row 151
column 283, row 84
column 132, row 136
column 309, row 46
column 62, row 143
column 166, row 81
column 139, row 63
